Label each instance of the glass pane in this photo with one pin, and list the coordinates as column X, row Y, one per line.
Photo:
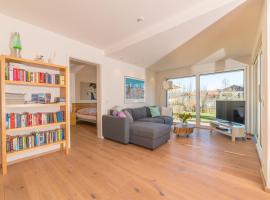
column 182, row 98
column 219, row 86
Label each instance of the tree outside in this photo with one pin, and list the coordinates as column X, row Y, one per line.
column 224, row 87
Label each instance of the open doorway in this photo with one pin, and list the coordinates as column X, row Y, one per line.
column 84, row 101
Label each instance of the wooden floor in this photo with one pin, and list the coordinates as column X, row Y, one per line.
column 201, row 167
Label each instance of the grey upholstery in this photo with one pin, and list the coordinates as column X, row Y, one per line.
column 149, row 143
column 115, row 128
column 139, row 113
column 160, row 119
column 152, row 119
column 167, row 119
column 149, row 135
column 146, row 131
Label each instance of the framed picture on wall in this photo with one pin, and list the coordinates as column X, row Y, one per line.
column 88, row 91
column 134, row 90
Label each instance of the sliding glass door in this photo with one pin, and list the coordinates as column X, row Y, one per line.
column 210, row 88
column 182, row 98
column 227, row 86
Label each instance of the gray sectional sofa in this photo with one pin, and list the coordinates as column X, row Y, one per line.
column 143, row 130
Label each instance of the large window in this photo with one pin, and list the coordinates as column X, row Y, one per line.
column 182, row 98
column 213, row 87
column 219, row 86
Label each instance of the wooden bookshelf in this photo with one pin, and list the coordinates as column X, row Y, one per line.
column 34, row 105
column 35, row 127
column 13, row 153
column 63, row 106
column 35, row 63
column 33, row 84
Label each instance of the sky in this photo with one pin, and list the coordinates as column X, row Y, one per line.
column 213, row 81
column 134, row 82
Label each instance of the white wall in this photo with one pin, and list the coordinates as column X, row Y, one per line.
column 150, row 87
column 86, row 74
column 37, row 40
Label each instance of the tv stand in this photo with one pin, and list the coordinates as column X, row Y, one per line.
column 228, row 128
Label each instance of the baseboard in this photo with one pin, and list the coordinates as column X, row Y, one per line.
column 265, row 188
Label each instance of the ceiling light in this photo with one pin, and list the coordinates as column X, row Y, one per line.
column 140, row 19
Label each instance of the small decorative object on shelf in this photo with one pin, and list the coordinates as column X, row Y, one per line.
column 16, row 45
column 51, row 57
column 41, row 98
column 38, row 57
column 184, row 117
column 59, row 100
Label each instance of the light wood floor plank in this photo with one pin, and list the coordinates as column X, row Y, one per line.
column 204, row 166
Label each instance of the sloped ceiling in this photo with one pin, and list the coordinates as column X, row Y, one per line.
column 111, row 25
column 231, row 37
column 148, row 51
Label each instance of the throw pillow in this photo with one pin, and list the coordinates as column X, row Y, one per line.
column 130, row 118
column 155, row 112
column 114, row 113
column 121, row 115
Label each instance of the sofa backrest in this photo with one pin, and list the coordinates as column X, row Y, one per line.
column 139, row 113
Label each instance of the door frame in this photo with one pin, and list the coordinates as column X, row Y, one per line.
column 98, row 82
column 257, row 99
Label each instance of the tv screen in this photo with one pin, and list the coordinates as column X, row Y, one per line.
column 232, row 111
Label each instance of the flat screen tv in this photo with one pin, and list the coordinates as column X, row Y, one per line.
column 231, row 111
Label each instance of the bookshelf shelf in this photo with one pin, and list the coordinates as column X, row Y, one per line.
column 34, row 148
column 33, row 62
column 8, row 82
column 35, row 105
column 34, row 127
column 36, row 66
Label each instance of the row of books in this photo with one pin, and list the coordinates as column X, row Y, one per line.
column 21, row 142
column 14, row 73
column 26, row 119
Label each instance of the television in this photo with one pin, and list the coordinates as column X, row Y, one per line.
column 231, row 111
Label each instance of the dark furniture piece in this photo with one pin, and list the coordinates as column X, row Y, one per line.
column 146, row 131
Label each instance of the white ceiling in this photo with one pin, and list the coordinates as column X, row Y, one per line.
column 101, row 23
column 232, row 37
column 111, row 24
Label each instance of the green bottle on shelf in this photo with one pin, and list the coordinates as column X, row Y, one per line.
column 16, row 45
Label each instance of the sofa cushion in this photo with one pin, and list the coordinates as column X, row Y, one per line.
column 139, row 113
column 129, row 116
column 155, row 112
column 166, row 119
column 148, row 112
column 149, row 130
column 152, row 119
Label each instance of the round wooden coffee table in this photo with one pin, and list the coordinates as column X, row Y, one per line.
column 183, row 130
